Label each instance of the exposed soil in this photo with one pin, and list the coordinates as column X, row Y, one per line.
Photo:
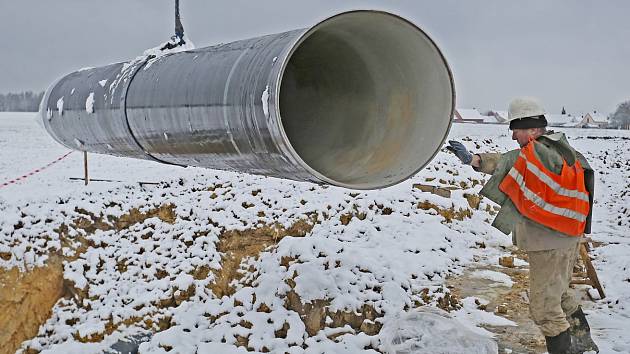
column 236, row 246
column 510, row 303
column 27, row 298
column 26, row 301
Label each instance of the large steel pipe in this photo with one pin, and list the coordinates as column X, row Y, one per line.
column 363, row 100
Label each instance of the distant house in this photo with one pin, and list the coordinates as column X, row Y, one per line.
column 553, row 120
column 491, row 119
column 594, row 120
column 562, row 120
column 500, row 116
column 575, row 122
column 467, row 116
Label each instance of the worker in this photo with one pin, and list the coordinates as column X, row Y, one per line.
column 545, row 190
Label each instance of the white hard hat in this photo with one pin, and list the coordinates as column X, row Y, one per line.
column 525, row 107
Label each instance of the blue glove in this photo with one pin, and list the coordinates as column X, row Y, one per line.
column 460, row 151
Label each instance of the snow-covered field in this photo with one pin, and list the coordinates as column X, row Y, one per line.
column 218, row 262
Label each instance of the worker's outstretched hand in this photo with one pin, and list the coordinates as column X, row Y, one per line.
column 460, row 151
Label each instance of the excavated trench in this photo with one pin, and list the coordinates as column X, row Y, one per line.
column 27, row 299
column 30, row 297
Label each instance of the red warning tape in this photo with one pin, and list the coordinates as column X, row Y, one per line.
column 21, row 178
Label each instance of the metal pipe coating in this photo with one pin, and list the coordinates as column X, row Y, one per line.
column 362, row 100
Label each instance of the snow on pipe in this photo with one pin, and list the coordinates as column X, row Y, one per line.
column 362, row 100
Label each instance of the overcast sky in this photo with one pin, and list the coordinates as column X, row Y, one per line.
column 568, row 53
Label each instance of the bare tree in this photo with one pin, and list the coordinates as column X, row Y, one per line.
column 621, row 117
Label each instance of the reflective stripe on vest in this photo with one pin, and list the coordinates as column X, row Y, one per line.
column 559, row 202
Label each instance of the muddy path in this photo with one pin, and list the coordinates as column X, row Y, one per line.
column 508, row 302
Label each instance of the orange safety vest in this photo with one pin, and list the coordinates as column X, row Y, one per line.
column 559, row 202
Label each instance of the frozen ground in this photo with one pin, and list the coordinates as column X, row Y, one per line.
column 361, row 258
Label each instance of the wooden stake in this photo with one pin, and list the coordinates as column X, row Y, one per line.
column 85, row 168
column 590, row 271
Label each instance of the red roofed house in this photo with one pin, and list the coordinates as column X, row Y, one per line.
column 467, row 116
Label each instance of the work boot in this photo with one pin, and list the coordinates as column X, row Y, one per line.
column 563, row 343
column 581, row 331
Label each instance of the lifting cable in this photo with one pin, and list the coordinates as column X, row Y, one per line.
column 178, row 39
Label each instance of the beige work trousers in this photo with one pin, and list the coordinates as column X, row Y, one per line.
column 551, row 300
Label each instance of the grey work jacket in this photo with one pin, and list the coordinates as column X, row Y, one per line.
column 527, row 234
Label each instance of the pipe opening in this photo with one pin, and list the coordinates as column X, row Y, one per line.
column 366, row 99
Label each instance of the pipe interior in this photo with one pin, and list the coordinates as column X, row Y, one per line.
column 366, row 99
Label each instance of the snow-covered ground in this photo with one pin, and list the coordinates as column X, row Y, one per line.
column 359, row 258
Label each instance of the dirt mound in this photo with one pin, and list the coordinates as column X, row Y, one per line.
column 26, row 301
column 238, row 245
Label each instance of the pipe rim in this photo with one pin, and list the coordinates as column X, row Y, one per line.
column 296, row 44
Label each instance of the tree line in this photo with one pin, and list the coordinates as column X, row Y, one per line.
column 20, row 102
column 621, row 117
